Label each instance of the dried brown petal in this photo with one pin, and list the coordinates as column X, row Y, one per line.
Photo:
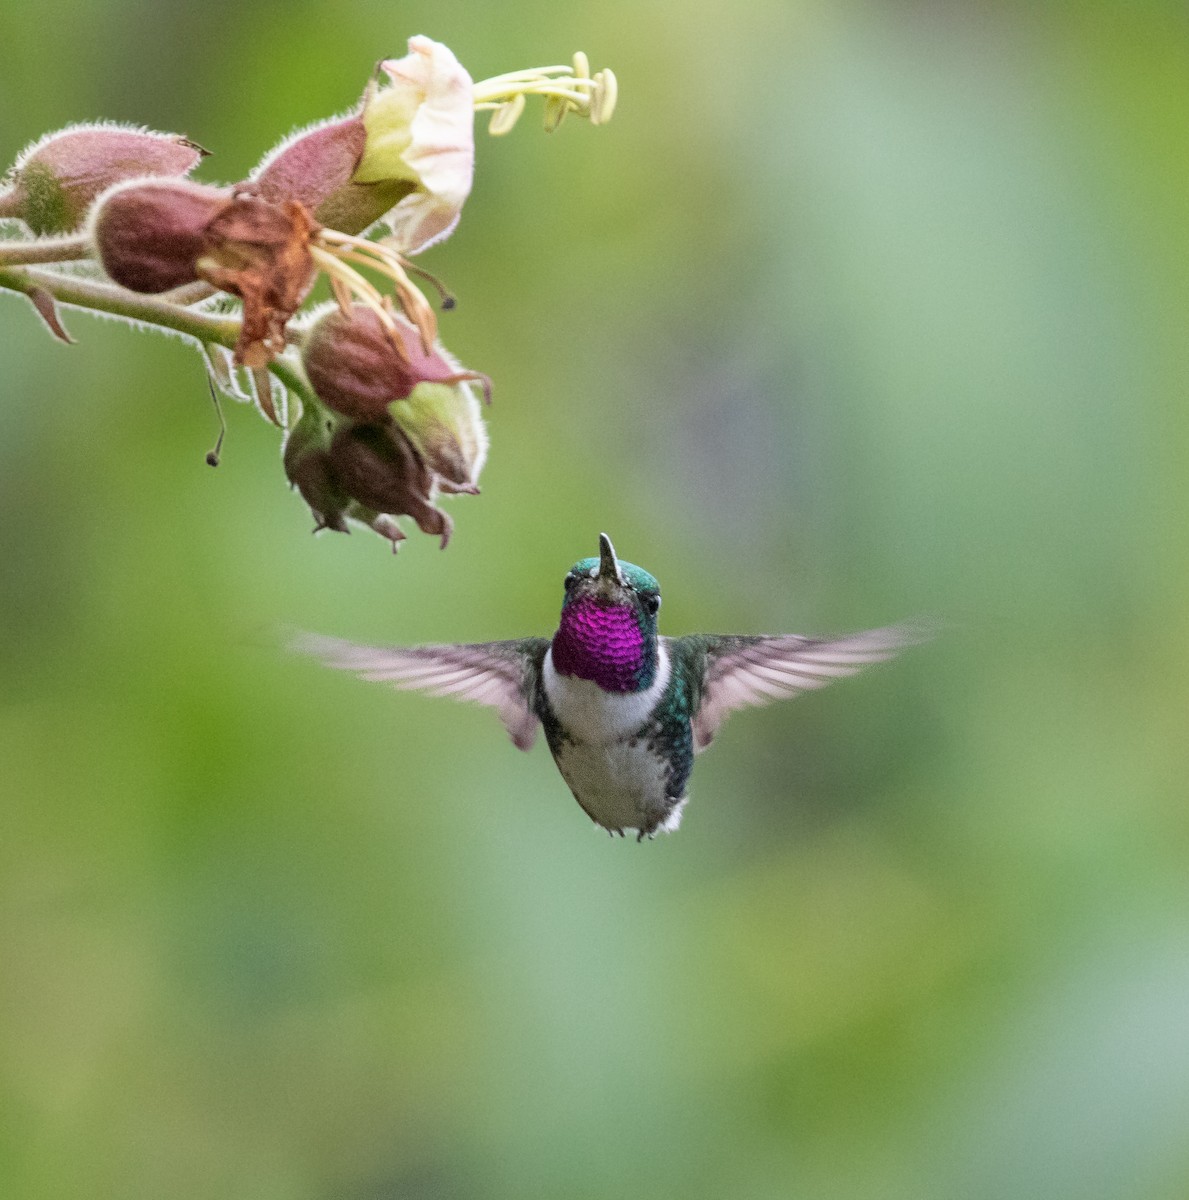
column 260, row 252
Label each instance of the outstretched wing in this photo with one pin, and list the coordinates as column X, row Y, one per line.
column 500, row 674
column 739, row 671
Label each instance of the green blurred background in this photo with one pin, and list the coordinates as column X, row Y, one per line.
column 855, row 311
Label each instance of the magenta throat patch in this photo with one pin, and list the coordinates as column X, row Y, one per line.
column 600, row 642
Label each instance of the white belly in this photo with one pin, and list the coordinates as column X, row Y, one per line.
column 620, row 784
column 618, row 780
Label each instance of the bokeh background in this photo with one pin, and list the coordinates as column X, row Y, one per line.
column 855, row 311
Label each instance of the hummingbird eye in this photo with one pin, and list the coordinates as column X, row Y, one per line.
column 569, row 581
column 651, row 602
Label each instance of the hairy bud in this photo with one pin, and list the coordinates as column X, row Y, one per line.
column 149, row 236
column 357, row 368
column 155, row 236
column 54, row 182
column 376, row 465
column 443, row 423
column 406, row 155
column 307, row 465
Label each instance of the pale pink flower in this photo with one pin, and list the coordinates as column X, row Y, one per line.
column 421, row 129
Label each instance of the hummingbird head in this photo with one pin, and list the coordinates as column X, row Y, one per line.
column 607, row 632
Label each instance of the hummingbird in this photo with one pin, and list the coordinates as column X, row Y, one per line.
column 624, row 710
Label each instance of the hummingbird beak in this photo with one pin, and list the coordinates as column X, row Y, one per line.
column 608, row 563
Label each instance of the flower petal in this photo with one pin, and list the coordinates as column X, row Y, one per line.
column 421, row 128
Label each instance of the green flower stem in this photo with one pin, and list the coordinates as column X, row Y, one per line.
column 294, row 379
column 44, row 250
column 97, row 296
column 189, row 293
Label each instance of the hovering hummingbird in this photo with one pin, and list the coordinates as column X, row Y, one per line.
column 624, row 710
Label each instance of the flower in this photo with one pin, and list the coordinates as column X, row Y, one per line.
column 398, row 428
column 421, row 130
column 54, row 182
column 357, row 370
column 388, row 419
column 158, row 235
column 153, row 236
column 406, row 154
column 377, row 466
column 365, row 471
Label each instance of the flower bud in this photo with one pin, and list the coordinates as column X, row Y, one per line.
column 155, row 236
column 149, row 236
column 355, row 366
column 375, row 465
column 307, row 464
column 442, row 422
column 406, row 154
column 54, row 182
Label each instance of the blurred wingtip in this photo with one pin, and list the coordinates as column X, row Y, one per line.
column 306, row 644
column 916, row 631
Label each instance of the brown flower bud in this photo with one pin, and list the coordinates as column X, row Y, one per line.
column 316, row 167
column 155, row 236
column 150, row 236
column 54, row 182
column 375, row 465
column 307, row 464
column 357, row 370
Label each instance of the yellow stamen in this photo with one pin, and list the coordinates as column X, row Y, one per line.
column 555, row 112
column 337, row 248
column 505, row 115
column 602, row 103
column 566, row 88
column 496, row 82
column 348, row 285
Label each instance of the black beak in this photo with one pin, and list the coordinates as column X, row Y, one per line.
column 608, row 563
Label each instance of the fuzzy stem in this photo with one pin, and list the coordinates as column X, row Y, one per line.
column 44, row 250
column 190, row 293
column 96, row 296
